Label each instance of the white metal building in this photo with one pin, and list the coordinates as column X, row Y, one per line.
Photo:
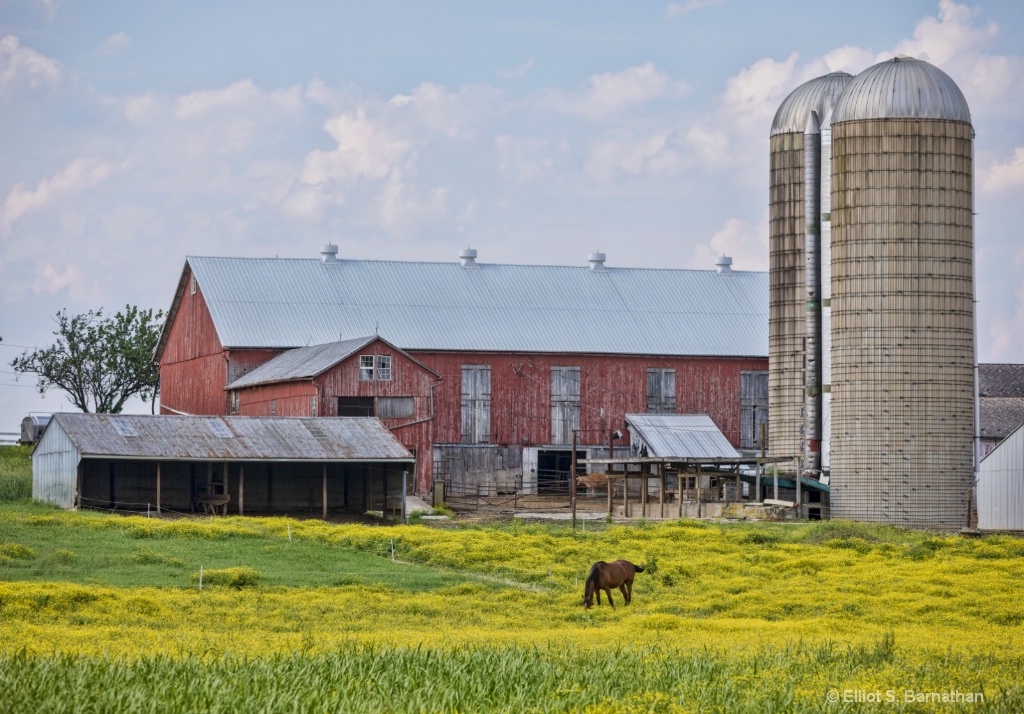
column 1001, row 485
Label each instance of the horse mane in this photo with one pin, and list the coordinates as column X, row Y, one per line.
column 594, row 578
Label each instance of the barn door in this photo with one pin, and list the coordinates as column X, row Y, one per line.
column 476, row 404
column 565, row 403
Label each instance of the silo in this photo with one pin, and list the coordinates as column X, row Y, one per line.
column 902, row 298
column 791, row 182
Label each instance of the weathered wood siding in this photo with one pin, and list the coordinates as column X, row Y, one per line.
column 192, row 367
column 610, row 387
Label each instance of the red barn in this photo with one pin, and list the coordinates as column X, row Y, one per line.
column 476, row 368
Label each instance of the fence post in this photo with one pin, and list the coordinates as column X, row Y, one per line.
column 200, row 577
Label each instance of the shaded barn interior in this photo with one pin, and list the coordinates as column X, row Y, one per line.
column 239, row 465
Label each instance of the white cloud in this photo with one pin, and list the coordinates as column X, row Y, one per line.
column 401, row 206
column 650, row 154
column 515, row 72
column 745, row 243
column 675, row 9
column 243, row 94
column 612, row 92
column 23, row 66
column 366, row 148
column 78, row 176
column 1007, row 175
column 954, row 42
column 113, row 44
column 525, row 159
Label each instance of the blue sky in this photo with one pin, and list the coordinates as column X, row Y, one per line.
column 133, row 134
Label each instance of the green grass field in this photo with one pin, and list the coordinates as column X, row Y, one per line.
column 102, row 613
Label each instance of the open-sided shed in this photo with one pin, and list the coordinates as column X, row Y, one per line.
column 222, row 464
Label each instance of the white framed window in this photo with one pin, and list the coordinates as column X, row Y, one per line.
column 235, row 405
column 374, row 367
column 384, row 368
column 366, row 368
column 312, row 406
column 273, row 408
column 192, row 286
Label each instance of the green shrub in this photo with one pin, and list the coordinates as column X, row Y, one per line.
column 15, row 473
column 238, row 577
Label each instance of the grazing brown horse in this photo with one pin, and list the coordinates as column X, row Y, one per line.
column 605, row 576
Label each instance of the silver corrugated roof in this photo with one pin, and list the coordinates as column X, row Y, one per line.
column 301, row 363
column 285, row 303
column 680, row 435
column 902, row 88
column 231, row 438
column 818, row 95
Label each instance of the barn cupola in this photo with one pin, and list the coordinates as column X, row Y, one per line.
column 329, row 253
column 596, row 260
column 467, row 257
column 723, row 264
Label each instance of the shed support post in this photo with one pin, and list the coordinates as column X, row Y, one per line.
column 209, row 478
column 78, row 486
column 611, row 489
column 644, row 475
column 158, row 488
column 699, row 490
column 241, row 489
column 757, row 483
column 661, row 491
column 324, row 479
column 775, row 477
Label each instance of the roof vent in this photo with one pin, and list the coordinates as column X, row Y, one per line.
column 329, row 253
column 596, row 260
column 467, row 256
column 723, row 264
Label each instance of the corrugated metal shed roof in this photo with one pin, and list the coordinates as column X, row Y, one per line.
column 902, row 88
column 307, row 362
column 818, row 95
column 283, row 303
column 680, row 435
column 230, row 438
column 1000, row 416
column 301, row 363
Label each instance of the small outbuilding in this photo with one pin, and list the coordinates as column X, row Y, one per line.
column 1001, row 485
column 241, row 465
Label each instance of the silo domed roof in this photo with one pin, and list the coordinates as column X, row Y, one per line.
column 818, row 95
column 902, row 88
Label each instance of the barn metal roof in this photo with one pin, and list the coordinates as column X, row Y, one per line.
column 818, row 95
column 680, row 436
column 902, row 88
column 285, row 303
column 170, row 438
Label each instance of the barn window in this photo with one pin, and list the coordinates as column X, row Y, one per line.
column 273, row 408
column 476, row 404
column 753, row 408
column 355, row 407
column 192, row 286
column 565, row 403
column 366, row 368
column 661, row 391
column 395, row 407
column 375, row 367
column 384, row 368
column 312, row 406
column 235, row 401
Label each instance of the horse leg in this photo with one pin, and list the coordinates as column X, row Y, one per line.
column 625, row 593
column 610, row 601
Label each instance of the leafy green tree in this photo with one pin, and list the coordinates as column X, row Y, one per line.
column 100, row 361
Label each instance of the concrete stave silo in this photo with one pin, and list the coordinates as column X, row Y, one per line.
column 902, row 310
column 793, row 185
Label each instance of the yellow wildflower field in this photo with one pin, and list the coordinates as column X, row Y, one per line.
column 924, row 612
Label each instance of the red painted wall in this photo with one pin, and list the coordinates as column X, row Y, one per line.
column 192, row 366
column 610, row 387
